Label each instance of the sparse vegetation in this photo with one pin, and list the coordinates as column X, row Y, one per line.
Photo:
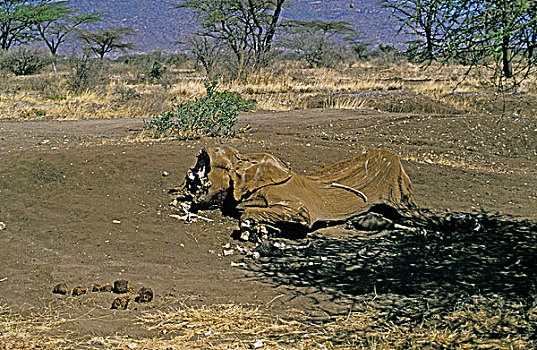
column 499, row 35
column 245, row 29
column 319, row 43
column 85, row 73
column 386, row 82
column 104, row 41
column 232, row 67
column 24, row 61
column 212, row 115
column 475, row 323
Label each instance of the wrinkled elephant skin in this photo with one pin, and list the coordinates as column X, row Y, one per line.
column 267, row 196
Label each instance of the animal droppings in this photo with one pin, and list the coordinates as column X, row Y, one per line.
column 79, row 291
column 145, row 295
column 121, row 286
column 60, row 289
column 120, row 303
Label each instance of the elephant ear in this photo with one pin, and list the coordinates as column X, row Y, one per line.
column 258, row 170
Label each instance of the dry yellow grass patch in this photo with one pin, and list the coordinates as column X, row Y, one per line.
column 481, row 323
column 125, row 92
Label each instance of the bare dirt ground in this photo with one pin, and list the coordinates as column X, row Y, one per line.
column 65, row 185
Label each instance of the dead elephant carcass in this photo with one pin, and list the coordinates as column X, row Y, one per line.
column 268, row 197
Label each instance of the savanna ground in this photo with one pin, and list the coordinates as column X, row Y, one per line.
column 84, row 200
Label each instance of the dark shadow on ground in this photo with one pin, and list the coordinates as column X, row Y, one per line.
column 441, row 261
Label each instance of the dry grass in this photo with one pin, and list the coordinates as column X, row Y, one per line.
column 376, row 84
column 480, row 323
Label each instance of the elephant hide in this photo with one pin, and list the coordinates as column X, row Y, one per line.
column 262, row 190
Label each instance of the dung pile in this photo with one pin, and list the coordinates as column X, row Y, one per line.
column 145, row 294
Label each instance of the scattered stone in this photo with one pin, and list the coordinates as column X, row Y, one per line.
column 60, row 289
column 2, row 226
column 120, row 303
column 79, row 291
column 145, row 295
column 121, row 286
column 259, row 343
column 227, row 252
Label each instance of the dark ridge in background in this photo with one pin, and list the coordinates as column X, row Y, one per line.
column 159, row 25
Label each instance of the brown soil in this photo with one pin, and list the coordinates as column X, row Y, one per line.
column 85, row 203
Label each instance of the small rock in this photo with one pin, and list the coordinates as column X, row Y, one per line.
column 120, row 303
column 2, row 226
column 256, row 255
column 79, row 291
column 97, row 288
column 132, row 346
column 120, row 286
column 145, row 295
column 116, row 222
column 60, row 289
column 258, row 344
column 165, row 173
column 227, row 252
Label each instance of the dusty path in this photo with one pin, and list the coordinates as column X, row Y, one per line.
column 62, row 185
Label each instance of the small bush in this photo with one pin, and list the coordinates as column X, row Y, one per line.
column 85, row 73
column 213, row 115
column 24, row 61
column 176, row 59
column 157, row 70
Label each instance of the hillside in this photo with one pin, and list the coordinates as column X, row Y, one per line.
column 159, row 25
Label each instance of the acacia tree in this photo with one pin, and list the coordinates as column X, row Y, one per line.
column 104, row 41
column 207, row 52
column 494, row 33
column 422, row 19
column 16, row 20
column 319, row 43
column 246, row 28
column 492, row 30
column 56, row 21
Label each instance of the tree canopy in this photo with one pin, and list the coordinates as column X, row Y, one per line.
column 495, row 33
column 106, row 40
column 245, row 27
column 16, row 17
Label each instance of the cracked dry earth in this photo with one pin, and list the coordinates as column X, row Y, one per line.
column 85, row 202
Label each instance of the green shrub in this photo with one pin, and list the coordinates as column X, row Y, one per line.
column 157, row 70
column 24, row 61
column 176, row 59
column 85, row 73
column 212, row 115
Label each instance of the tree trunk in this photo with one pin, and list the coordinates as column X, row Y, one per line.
column 506, row 58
